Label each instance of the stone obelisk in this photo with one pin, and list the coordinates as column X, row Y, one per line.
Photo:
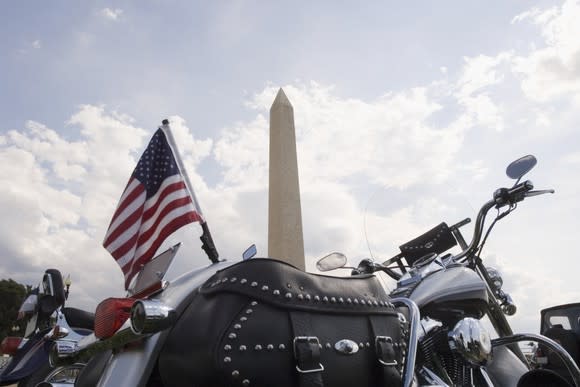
column 285, row 239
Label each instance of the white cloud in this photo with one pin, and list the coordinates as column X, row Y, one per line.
column 36, row 44
column 384, row 130
column 112, row 14
column 480, row 72
column 553, row 70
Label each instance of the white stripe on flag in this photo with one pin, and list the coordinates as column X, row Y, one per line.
column 129, row 232
column 166, row 219
column 166, row 183
column 164, row 203
column 129, row 210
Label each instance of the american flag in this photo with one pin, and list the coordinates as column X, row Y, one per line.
column 155, row 203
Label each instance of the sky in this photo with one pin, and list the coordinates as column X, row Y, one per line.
column 406, row 115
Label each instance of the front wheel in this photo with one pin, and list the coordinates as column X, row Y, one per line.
column 61, row 375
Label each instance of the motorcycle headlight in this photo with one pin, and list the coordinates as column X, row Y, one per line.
column 495, row 277
column 471, row 340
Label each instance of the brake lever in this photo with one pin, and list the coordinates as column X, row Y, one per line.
column 539, row 192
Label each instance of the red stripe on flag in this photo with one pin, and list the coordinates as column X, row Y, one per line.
column 144, row 237
column 137, row 191
column 178, row 186
column 124, row 226
column 171, row 227
column 125, row 247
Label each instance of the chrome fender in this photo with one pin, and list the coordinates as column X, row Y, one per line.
column 133, row 366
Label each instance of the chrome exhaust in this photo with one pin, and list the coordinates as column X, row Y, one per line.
column 151, row 316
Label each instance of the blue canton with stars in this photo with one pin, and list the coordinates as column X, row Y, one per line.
column 156, row 164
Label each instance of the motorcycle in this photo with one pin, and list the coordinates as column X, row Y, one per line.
column 49, row 322
column 161, row 334
column 456, row 293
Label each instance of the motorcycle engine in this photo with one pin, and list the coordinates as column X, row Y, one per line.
column 454, row 353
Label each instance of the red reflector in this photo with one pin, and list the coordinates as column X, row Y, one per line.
column 10, row 345
column 110, row 315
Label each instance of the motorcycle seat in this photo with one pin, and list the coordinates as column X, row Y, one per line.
column 78, row 318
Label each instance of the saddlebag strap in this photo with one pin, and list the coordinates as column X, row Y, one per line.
column 388, row 359
column 306, row 351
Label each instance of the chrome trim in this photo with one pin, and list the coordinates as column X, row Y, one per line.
column 427, row 325
column 151, row 316
column 414, row 318
column 471, row 340
column 57, row 371
column 551, row 344
column 432, row 378
column 346, row 347
column 485, row 376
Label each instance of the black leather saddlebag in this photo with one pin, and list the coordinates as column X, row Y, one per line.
column 265, row 323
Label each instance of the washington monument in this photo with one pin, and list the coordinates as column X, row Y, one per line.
column 285, row 238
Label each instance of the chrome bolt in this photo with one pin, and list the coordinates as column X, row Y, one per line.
column 227, row 359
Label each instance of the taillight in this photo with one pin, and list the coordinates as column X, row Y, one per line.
column 110, row 315
column 10, row 345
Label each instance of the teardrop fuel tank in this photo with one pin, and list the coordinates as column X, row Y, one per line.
column 443, row 288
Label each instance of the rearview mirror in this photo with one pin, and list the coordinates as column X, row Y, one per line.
column 331, row 261
column 250, row 252
column 520, row 167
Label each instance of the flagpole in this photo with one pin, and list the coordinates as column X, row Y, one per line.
column 207, row 241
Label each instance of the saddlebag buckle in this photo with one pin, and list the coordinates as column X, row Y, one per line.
column 307, row 354
column 385, row 351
